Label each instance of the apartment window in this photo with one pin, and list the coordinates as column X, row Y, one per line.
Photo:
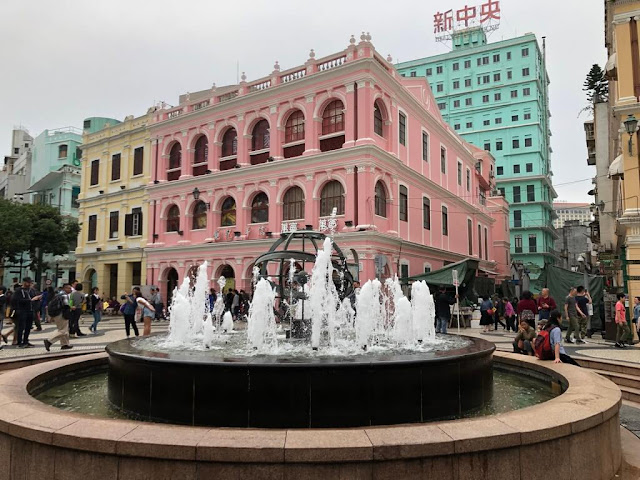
column 517, row 218
column 486, row 79
column 514, row 94
column 514, row 118
column 114, row 218
column 525, row 52
column 442, row 106
column 381, row 200
column 429, row 72
column 377, row 120
column 496, row 57
column 528, row 142
column 16, row 151
column 426, row 213
column 486, row 122
column 497, row 96
column 509, row 74
column 412, row 74
column 533, row 243
column 496, row 77
column 456, row 67
column 332, row 118
column 92, row 230
column 456, row 126
column 133, row 222
column 115, row 167
column 439, row 87
column 293, row 204
column 332, row 196
column 499, row 145
column 456, row 103
column 467, row 64
column 500, row 170
column 485, row 99
column 443, row 160
column 425, row 146
column 439, row 69
column 402, row 129
column 427, row 269
column 527, row 116
column 404, row 270
column 404, row 200
column 62, row 151
column 498, row 121
column 529, row 167
column 468, row 180
column 515, row 143
column 517, row 198
column 138, row 162
column 526, row 91
column 469, row 124
column 445, row 221
column 525, row 72
column 518, row 243
column 459, row 173
column 95, row 172
column 487, row 147
column 470, row 236
column 173, row 219
column 467, row 82
column 531, row 193
column 501, row 191
column 456, row 84
column 508, row 55
column 516, row 169
column 468, row 101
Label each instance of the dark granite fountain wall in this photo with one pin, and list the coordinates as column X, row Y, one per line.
column 294, row 392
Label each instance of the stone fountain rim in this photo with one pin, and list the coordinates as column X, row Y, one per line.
column 124, row 349
column 589, row 401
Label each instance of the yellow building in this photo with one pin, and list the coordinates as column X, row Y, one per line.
column 113, row 207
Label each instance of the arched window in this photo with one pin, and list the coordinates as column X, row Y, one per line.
column 381, row 200
column 230, row 143
column 293, row 208
column 199, row 216
column 260, row 208
column 333, row 118
column 175, row 162
column 294, row 128
column 228, row 213
column 173, row 219
column 201, row 156
column 332, row 196
column 260, row 137
column 377, row 119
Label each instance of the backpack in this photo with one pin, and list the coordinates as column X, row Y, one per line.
column 542, row 346
column 55, row 306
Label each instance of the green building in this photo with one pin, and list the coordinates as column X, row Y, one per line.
column 495, row 96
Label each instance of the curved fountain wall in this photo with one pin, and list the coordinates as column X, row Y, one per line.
column 300, row 392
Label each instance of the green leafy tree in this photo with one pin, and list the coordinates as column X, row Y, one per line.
column 16, row 230
column 596, row 85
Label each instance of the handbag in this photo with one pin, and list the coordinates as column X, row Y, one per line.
column 122, row 308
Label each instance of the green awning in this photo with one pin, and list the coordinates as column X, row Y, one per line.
column 466, row 272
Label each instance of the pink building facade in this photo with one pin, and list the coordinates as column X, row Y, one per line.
column 232, row 168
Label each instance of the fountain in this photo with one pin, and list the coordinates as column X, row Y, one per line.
column 306, row 359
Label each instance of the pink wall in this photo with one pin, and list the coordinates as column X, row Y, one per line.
column 360, row 79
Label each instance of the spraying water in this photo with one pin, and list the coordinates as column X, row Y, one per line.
column 261, row 324
column 323, row 297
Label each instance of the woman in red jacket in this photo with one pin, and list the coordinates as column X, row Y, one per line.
column 527, row 309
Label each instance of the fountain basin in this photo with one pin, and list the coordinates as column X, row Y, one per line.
column 299, row 392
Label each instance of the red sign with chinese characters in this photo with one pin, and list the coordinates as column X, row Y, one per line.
column 467, row 16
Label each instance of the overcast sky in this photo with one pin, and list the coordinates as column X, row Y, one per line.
column 66, row 60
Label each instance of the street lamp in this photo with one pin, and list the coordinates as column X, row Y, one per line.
column 196, row 196
column 630, row 125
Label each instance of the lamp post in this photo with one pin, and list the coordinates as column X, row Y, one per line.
column 631, row 125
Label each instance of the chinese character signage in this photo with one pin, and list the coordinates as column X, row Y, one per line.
column 486, row 15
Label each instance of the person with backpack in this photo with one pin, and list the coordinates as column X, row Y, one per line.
column 527, row 309
column 60, row 312
column 76, row 300
column 524, row 341
column 128, row 310
column 622, row 328
column 571, row 314
column 548, row 345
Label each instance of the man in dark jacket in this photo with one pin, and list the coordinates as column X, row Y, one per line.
column 443, row 303
column 22, row 302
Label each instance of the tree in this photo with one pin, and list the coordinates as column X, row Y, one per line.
column 596, row 85
column 16, row 230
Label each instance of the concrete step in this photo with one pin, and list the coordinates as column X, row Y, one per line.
column 620, row 379
column 609, row 366
column 630, row 394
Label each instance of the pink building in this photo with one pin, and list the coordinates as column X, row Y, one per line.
column 234, row 167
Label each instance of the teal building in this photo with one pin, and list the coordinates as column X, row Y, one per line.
column 495, row 95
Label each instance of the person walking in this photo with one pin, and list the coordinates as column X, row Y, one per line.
column 60, row 312
column 486, row 314
column 571, row 314
column 527, row 308
column 147, row 311
column 509, row 314
column 23, row 300
column 498, row 315
column 129, row 313
column 555, row 337
column 546, row 304
column 622, row 328
column 636, row 312
column 95, row 307
column 443, row 304
column 235, row 304
column 76, row 299
column 583, row 299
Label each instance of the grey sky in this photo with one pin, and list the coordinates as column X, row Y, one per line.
column 67, row 60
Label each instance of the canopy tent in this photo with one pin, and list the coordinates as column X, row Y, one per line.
column 466, row 274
